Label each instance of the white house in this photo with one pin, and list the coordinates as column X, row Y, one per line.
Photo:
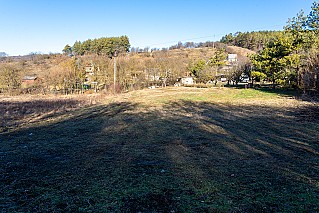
column 187, row 80
column 232, row 58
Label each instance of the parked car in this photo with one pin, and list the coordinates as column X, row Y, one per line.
column 244, row 79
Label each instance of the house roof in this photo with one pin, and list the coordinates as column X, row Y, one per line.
column 28, row 77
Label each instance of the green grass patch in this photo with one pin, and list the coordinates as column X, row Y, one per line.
column 253, row 93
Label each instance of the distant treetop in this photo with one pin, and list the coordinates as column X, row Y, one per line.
column 251, row 40
column 100, row 46
column 3, row 54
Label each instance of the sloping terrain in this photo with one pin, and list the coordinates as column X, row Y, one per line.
column 40, row 65
column 239, row 50
column 165, row 150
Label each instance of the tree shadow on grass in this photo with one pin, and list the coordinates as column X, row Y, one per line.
column 186, row 156
column 14, row 114
column 285, row 92
column 262, row 154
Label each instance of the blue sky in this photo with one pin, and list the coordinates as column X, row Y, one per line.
column 48, row 25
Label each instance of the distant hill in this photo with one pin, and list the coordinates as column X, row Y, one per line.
column 195, row 53
column 40, row 64
column 239, row 51
column 52, row 66
column 250, row 40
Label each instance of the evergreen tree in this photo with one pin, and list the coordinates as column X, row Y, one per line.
column 102, row 46
column 276, row 58
column 67, row 49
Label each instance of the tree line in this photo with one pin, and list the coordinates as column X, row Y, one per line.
column 180, row 45
column 100, row 46
column 292, row 57
column 255, row 41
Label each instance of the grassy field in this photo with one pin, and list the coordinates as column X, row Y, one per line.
column 162, row 150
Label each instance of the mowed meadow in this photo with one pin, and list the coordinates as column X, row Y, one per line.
column 162, row 150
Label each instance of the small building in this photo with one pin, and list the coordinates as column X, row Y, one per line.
column 232, row 58
column 187, row 80
column 221, row 77
column 89, row 70
column 154, row 77
column 29, row 80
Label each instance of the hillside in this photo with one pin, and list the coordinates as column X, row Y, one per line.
column 57, row 72
column 196, row 53
column 239, row 50
column 34, row 64
column 40, row 64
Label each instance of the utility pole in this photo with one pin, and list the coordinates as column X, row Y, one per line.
column 114, row 56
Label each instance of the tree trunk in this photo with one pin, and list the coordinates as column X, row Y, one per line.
column 317, row 81
column 273, row 81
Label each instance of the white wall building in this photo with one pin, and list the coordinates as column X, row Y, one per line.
column 187, row 80
column 232, row 58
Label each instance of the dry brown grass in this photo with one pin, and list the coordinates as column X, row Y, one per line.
column 240, row 51
column 24, row 110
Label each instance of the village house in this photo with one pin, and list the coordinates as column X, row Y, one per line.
column 89, row 69
column 232, row 58
column 187, row 80
column 89, row 74
column 29, row 80
column 223, row 72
